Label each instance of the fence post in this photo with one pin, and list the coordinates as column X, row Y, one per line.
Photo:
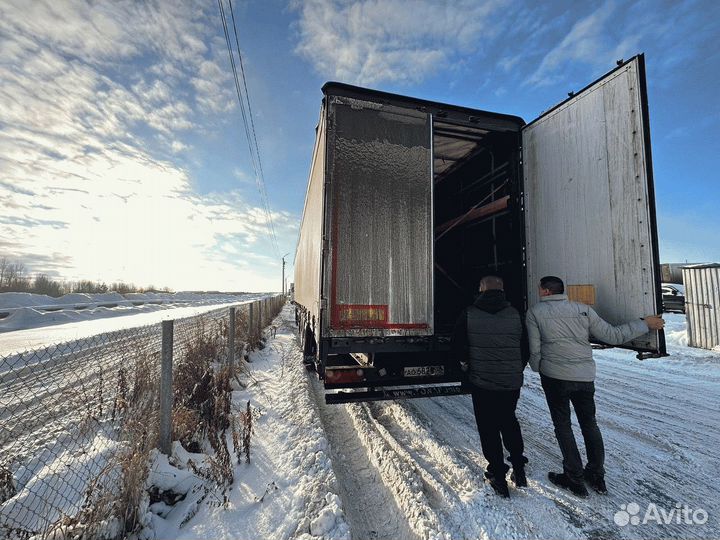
column 231, row 340
column 251, row 324
column 166, row 394
column 260, row 318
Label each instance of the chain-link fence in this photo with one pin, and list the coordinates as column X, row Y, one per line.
column 78, row 419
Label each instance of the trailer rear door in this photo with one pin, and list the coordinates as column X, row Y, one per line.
column 589, row 201
column 378, row 275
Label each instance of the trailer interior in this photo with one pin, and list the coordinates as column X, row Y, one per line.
column 478, row 231
column 478, row 219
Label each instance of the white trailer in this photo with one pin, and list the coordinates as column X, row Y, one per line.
column 410, row 202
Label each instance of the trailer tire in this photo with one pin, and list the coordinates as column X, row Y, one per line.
column 309, row 347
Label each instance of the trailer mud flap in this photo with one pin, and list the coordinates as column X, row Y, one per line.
column 396, row 393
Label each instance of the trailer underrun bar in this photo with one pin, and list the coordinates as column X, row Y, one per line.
column 396, row 393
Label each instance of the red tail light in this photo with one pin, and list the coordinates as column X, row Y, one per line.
column 344, row 375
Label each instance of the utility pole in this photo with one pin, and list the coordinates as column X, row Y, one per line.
column 283, row 273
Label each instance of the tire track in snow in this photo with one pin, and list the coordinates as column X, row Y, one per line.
column 371, row 508
column 447, row 426
column 662, row 446
column 641, row 427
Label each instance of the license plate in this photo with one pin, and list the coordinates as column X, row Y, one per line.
column 424, row 371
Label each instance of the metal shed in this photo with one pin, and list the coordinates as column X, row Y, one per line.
column 702, row 304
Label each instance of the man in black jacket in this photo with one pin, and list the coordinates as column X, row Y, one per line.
column 490, row 338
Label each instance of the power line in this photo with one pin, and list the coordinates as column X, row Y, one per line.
column 252, row 124
column 242, row 72
column 237, row 86
column 254, row 152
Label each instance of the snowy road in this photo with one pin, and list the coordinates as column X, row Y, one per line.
column 660, row 422
column 413, row 469
column 659, row 419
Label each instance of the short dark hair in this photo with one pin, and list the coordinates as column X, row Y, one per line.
column 553, row 284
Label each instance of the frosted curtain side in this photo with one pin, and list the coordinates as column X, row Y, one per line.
column 308, row 258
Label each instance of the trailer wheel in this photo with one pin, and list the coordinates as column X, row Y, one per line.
column 309, row 347
column 301, row 336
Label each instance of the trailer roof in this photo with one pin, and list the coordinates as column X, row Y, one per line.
column 465, row 115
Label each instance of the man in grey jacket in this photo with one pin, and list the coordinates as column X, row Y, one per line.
column 489, row 336
column 559, row 335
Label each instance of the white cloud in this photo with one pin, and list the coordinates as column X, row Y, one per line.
column 214, row 88
column 243, row 177
column 178, row 146
column 125, row 217
column 87, row 90
column 586, row 42
column 590, row 41
column 389, row 40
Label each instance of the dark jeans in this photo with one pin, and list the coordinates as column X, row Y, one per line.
column 559, row 395
column 495, row 417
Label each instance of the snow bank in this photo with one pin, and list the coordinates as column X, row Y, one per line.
column 328, row 517
column 288, row 490
column 22, row 311
column 52, row 488
column 19, row 299
column 675, row 330
column 30, row 318
column 676, row 339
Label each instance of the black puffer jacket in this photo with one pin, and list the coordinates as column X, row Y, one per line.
column 490, row 336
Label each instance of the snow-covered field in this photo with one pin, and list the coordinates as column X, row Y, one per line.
column 57, row 431
column 413, row 469
column 32, row 320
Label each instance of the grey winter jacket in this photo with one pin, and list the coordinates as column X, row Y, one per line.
column 490, row 336
column 559, row 333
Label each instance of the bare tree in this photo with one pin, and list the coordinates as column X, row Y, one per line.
column 14, row 277
column 44, row 285
column 3, row 267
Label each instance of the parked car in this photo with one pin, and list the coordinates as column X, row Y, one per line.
column 673, row 295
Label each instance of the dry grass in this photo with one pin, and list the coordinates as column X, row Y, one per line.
column 202, row 400
column 202, row 416
column 242, row 332
column 120, row 403
column 114, row 499
column 7, row 486
column 186, row 428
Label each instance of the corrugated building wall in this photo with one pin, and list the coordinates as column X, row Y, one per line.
column 702, row 304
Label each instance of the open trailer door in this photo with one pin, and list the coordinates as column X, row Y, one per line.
column 589, row 201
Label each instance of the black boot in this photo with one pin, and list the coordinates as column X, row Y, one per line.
column 596, row 481
column 564, row 481
column 518, row 476
column 499, row 484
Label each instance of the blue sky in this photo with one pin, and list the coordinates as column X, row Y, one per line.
column 123, row 154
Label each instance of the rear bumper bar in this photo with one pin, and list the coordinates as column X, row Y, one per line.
column 396, row 393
